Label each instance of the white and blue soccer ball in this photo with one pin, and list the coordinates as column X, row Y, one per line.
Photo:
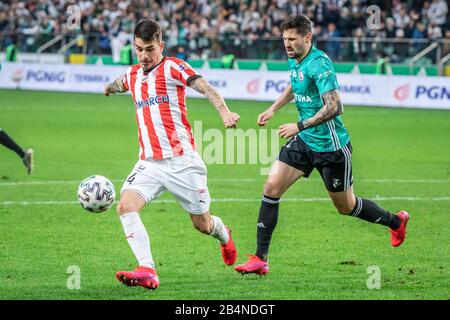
column 96, row 193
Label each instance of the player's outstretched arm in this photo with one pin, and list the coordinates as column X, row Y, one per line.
column 332, row 107
column 202, row 86
column 115, row 87
column 282, row 100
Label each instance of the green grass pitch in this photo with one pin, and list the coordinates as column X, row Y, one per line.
column 401, row 157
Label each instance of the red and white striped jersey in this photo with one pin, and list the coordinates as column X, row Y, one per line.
column 161, row 115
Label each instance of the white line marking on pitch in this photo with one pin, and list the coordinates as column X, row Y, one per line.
column 28, row 203
column 76, row 182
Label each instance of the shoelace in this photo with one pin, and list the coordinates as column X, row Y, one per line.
column 227, row 253
column 396, row 235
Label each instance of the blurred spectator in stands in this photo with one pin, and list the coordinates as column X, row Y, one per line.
column 409, row 28
column 4, row 21
column 345, row 24
column 357, row 14
column 121, row 31
column 192, row 37
column 424, row 12
column 333, row 46
column 204, row 26
column 401, row 18
column 228, row 61
column 419, row 34
column 181, row 54
column 126, row 54
column 172, row 35
column 415, row 15
column 434, row 31
column 296, row 7
column 437, row 13
column 357, row 49
column 104, row 43
column 401, row 47
column 447, row 26
column 390, row 28
column 318, row 32
column 446, row 46
column 383, row 63
column 183, row 32
column 319, row 10
column 333, row 11
column 11, row 51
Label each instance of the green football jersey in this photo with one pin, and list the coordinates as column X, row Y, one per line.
column 310, row 78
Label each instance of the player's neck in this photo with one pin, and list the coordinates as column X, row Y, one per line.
column 161, row 58
column 307, row 51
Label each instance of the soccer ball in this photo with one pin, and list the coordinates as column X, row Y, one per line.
column 96, row 193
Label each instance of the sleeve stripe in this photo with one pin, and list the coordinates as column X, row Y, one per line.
column 190, row 72
column 186, row 73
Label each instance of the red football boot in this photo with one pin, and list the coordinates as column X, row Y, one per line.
column 253, row 265
column 141, row 276
column 399, row 235
column 229, row 253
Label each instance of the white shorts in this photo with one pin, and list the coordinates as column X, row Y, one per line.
column 183, row 176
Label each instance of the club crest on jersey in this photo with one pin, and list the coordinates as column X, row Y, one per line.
column 295, row 74
column 151, row 101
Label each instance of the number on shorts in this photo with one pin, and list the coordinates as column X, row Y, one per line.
column 131, row 178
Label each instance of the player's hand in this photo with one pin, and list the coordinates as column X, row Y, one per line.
column 264, row 117
column 108, row 90
column 288, row 130
column 230, row 119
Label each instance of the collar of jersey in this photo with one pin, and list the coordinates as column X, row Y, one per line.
column 310, row 49
column 153, row 68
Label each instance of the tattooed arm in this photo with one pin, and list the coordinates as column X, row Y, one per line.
column 115, row 87
column 332, row 107
column 229, row 118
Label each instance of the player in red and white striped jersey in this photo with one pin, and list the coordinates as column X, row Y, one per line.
column 168, row 160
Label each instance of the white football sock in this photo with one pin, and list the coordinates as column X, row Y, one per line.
column 219, row 232
column 137, row 238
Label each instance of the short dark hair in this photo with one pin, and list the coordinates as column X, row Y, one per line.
column 300, row 22
column 148, row 30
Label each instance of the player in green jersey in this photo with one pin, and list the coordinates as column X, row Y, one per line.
column 318, row 140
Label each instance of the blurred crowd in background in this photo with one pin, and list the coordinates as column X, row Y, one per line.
column 196, row 29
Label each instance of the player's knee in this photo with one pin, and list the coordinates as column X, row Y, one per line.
column 272, row 189
column 126, row 207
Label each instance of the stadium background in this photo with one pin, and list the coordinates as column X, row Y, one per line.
column 54, row 52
